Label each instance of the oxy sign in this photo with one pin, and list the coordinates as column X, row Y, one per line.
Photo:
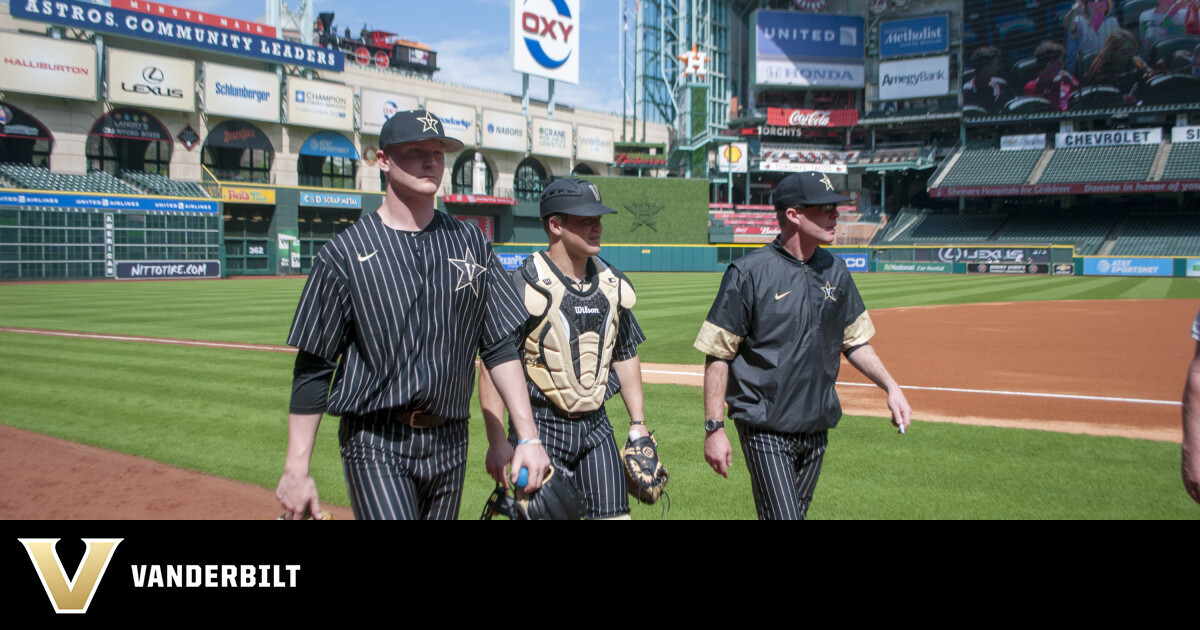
column 545, row 38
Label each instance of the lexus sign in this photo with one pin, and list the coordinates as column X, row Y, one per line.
column 545, row 38
column 151, row 81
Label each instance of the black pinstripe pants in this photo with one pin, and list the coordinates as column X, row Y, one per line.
column 587, row 448
column 394, row 471
column 784, row 468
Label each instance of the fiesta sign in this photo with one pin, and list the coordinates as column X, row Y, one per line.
column 545, row 38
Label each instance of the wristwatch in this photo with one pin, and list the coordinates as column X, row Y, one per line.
column 711, row 425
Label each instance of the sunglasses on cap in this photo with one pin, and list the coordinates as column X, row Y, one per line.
column 827, row 208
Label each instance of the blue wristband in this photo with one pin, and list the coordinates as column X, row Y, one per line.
column 529, row 441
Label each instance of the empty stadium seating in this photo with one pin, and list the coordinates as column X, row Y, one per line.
column 991, row 167
column 1184, row 161
column 1100, row 164
column 37, row 178
column 163, row 185
column 1085, row 230
column 1159, row 234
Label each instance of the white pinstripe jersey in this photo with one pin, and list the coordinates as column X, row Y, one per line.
column 407, row 312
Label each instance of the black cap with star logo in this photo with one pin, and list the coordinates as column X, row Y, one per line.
column 415, row 126
column 807, row 189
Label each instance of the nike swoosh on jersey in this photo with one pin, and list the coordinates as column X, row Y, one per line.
column 362, row 258
column 780, row 297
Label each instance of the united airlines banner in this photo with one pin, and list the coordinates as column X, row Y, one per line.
column 178, row 32
column 51, row 67
column 239, row 93
column 808, row 50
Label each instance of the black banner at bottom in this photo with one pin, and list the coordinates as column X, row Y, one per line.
column 1037, row 269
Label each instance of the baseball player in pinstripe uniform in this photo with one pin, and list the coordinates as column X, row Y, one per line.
column 579, row 347
column 405, row 298
column 773, row 337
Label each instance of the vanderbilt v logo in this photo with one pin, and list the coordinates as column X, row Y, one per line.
column 72, row 596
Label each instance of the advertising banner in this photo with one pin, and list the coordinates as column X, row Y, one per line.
column 808, row 50
column 241, row 93
column 1185, row 134
column 1113, row 138
column 103, row 202
column 195, row 17
column 1008, row 269
column 159, row 27
column 855, row 262
column 780, row 117
column 915, row 267
column 733, row 158
column 1023, row 142
column 151, row 81
column 52, row 67
column 1193, row 267
column 457, row 120
column 914, row 78
column 312, row 199
column 159, row 270
column 512, row 262
column 545, row 38
column 555, row 139
column 504, row 131
column 1161, row 267
column 1107, row 188
column 487, row 225
column 593, row 145
column 1064, row 269
column 916, row 36
column 259, row 196
column 378, row 107
column 986, row 254
column 320, row 104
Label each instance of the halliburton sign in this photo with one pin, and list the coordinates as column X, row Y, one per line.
column 811, row 117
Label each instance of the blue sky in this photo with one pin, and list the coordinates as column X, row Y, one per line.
column 471, row 38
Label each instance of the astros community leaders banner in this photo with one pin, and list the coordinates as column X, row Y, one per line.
column 40, row 65
column 545, row 38
column 151, row 81
column 241, row 93
column 159, row 28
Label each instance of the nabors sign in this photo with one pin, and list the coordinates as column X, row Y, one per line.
column 545, row 38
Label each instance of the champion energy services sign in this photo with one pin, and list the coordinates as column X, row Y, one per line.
column 320, row 104
column 239, row 93
column 179, row 32
column 51, row 67
column 545, row 38
column 808, row 50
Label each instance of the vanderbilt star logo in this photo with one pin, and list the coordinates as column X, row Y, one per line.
column 75, row 595
column 365, row 258
column 431, row 123
column 643, row 214
column 825, row 180
column 828, row 290
column 468, row 271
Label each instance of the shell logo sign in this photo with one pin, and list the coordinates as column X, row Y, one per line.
column 545, row 38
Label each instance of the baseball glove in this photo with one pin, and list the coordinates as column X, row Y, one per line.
column 559, row 499
column 645, row 475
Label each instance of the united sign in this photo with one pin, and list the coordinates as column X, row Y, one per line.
column 545, row 38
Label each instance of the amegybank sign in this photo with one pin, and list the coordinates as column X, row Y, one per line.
column 241, row 93
column 545, row 38
column 914, row 78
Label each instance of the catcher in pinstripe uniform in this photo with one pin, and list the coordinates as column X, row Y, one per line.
column 773, row 337
column 579, row 347
column 400, row 304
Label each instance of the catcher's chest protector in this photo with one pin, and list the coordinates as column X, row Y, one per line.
column 568, row 348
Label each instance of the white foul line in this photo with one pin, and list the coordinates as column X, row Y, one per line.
column 956, row 390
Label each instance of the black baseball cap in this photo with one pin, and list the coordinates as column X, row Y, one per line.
column 414, row 126
column 807, row 189
column 577, row 197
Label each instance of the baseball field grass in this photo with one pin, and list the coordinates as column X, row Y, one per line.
column 222, row 411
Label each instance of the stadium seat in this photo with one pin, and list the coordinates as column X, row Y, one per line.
column 1172, row 88
column 1096, row 96
column 1131, row 10
column 1023, row 72
column 1029, row 105
column 1165, row 49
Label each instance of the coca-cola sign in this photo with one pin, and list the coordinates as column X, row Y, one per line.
column 811, row 117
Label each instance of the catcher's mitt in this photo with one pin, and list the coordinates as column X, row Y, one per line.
column 645, row 475
column 557, row 500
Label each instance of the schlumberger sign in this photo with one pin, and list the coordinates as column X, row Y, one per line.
column 102, row 19
column 545, row 38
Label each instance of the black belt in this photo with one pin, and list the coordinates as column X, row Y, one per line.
column 417, row 419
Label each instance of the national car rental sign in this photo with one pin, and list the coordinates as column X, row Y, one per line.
column 545, row 38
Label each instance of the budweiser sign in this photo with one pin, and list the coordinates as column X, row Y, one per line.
column 812, row 117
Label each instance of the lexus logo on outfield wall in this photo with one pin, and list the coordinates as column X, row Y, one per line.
column 546, row 38
column 152, row 75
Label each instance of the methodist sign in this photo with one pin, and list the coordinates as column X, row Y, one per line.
column 917, row 36
column 808, row 50
column 158, row 27
column 51, row 67
column 545, row 38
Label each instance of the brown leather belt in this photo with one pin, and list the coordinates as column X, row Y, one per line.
column 417, row 419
